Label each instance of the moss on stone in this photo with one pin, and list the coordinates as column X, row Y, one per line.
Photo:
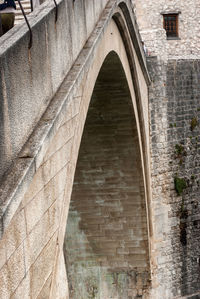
column 193, row 124
column 180, row 185
column 179, row 149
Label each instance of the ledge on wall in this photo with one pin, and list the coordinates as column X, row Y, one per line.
column 170, row 12
column 173, row 38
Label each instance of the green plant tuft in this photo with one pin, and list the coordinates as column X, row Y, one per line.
column 193, row 124
column 180, row 185
column 181, row 162
column 179, row 148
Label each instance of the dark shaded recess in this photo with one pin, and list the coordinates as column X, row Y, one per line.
column 108, row 191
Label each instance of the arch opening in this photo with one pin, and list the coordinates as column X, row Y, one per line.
column 106, row 240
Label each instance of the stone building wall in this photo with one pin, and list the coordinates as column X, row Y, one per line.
column 174, row 105
column 183, row 93
column 150, row 22
column 174, row 116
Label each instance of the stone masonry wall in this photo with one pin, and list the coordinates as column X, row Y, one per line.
column 150, row 22
column 174, row 100
column 175, row 138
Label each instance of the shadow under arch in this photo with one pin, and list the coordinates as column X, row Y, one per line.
column 106, row 240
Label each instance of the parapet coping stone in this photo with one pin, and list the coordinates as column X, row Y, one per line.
column 15, row 34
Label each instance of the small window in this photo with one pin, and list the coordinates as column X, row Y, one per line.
column 170, row 24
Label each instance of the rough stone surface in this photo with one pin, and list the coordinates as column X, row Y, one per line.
column 175, row 139
column 150, row 20
column 174, row 130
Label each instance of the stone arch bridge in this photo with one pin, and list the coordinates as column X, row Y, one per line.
column 75, row 191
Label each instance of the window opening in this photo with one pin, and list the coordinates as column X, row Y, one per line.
column 170, row 24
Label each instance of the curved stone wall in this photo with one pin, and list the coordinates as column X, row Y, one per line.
column 106, row 246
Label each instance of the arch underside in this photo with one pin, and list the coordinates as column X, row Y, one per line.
column 106, row 241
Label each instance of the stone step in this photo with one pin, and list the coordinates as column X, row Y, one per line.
column 24, row 7
column 26, row 4
column 18, row 13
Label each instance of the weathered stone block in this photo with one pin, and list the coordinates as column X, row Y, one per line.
column 44, row 199
column 43, row 267
column 12, row 273
column 41, row 233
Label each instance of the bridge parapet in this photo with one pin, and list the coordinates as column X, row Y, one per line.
column 30, row 78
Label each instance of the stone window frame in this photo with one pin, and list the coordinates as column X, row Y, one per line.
column 172, row 13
